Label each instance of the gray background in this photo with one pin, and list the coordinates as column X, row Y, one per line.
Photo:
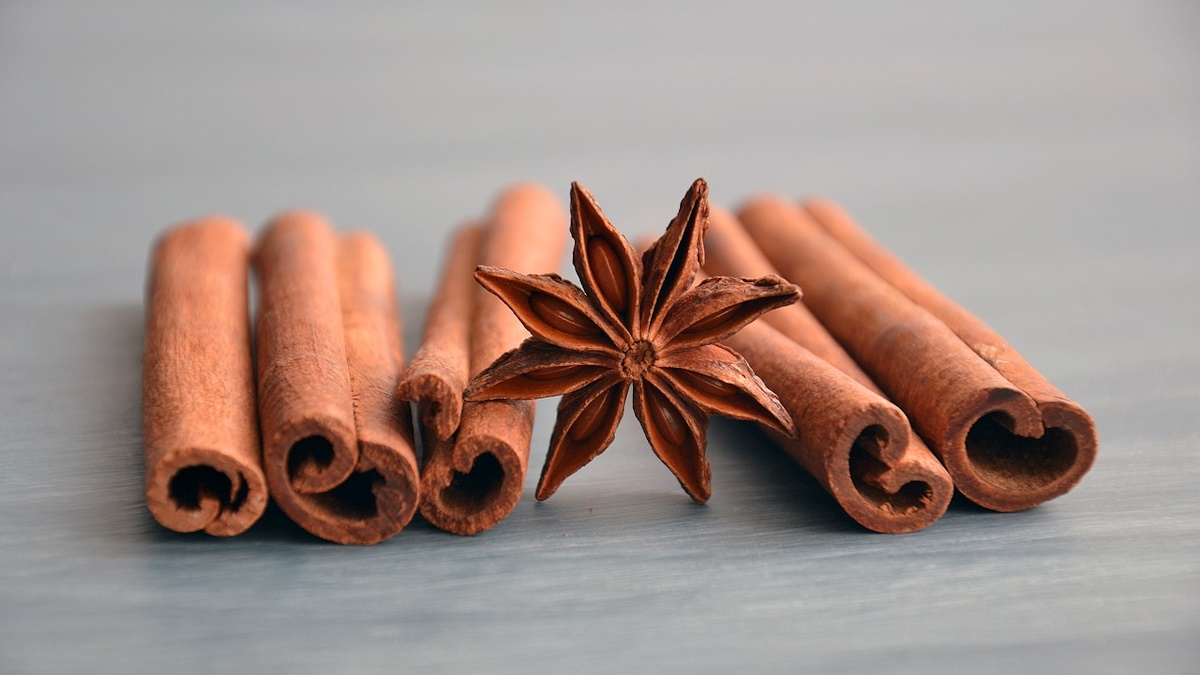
column 1038, row 161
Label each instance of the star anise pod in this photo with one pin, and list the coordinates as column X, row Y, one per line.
column 636, row 324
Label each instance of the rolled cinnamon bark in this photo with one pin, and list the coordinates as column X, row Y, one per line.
column 437, row 375
column 854, row 441
column 729, row 250
column 857, row 444
column 199, row 430
column 387, row 468
column 470, row 482
column 338, row 452
column 989, row 434
column 1058, row 411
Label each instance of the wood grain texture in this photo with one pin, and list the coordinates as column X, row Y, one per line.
column 1036, row 162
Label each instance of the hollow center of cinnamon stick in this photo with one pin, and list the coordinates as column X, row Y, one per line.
column 637, row 360
column 866, row 467
column 191, row 484
column 309, row 457
column 476, row 489
column 354, row 498
column 1016, row 462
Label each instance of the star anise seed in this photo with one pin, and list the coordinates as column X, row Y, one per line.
column 636, row 324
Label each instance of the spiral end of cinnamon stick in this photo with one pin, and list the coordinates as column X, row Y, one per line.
column 205, row 490
column 883, row 476
column 436, row 385
column 372, row 505
column 472, row 482
column 1013, row 453
column 858, row 444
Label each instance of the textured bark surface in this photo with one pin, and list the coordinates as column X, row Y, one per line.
column 470, row 482
column 1061, row 416
column 200, row 434
column 386, row 481
column 854, row 441
column 438, row 372
column 848, row 437
column 338, row 451
column 989, row 434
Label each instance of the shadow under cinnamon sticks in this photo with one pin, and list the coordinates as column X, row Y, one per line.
column 856, row 443
column 1008, row 438
column 338, row 448
column 477, row 453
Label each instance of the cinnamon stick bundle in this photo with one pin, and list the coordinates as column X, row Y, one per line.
column 203, row 461
column 1003, row 449
column 338, row 448
column 855, row 442
column 473, row 476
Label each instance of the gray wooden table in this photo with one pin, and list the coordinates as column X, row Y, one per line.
column 1040, row 162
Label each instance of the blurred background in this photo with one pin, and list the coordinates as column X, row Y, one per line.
column 1039, row 161
column 943, row 121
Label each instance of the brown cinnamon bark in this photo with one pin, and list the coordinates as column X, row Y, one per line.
column 990, row 435
column 1058, row 411
column 470, row 482
column 731, row 251
column 438, row 372
column 338, row 452
column 203, row 460
column 850, row 438
column 854, row 441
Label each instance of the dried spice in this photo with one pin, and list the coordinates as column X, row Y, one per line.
column 1005, row 449
column 855, row 442
column 636, row 324
column 438, row 372
column 203, row 459
column 337, row 446
column 1069, row 432
column 472, row 479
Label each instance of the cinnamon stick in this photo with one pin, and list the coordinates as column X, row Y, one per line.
column 730, row 250
column 1058, row 411
column 338, row 452
column 438, row 372
column 993, row 439
column 856, row 443
column 203, row 460
column 472, row 480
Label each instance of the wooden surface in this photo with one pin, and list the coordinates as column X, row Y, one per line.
column 1040, row 163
